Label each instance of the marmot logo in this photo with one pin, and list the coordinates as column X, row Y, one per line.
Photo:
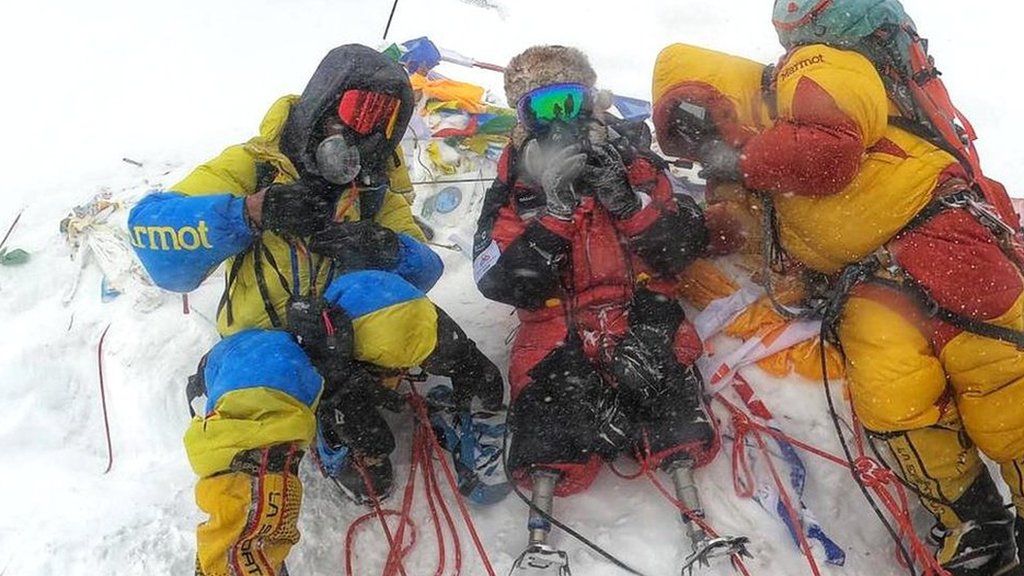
column 793, row 68
column 169, row 238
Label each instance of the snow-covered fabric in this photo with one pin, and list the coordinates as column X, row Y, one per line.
column 395, row 324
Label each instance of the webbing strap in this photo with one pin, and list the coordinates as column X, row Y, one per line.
column 196, row 386
column 261, row 282
column 981, row 328
column 961, row 321
column 225, row 298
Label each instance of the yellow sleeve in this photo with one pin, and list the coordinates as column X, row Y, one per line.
column 232, row 172
column 832, row 107
column 396, row 215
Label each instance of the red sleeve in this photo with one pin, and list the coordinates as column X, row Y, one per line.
column 516, row 260
column 816, row 153
column 669, row 232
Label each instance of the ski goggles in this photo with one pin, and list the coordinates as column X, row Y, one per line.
column 367, row 112
column 544, row 105
column 691, row 127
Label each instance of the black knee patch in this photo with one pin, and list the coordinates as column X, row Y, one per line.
column 554, row 420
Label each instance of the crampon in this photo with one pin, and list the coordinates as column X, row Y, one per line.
column 541, row 560
column 705, row 550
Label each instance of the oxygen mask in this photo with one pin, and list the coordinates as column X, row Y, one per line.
column 338, row 161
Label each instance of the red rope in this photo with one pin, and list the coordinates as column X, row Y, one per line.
column 743, row 424
column 377, row 511
column 434, row 495
column 395, row 555
column 438, row 534
column 874, row 476
column 690, row 514
column 103, row 392
column 878, row 477
column 422, row 464
column 421, row 411
column 794, row 518
column 353, row 529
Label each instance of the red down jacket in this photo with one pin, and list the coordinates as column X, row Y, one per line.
column 582, row 272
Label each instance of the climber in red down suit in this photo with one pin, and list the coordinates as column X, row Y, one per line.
column 582, row 233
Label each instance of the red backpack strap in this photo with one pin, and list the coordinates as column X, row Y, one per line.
column 953, row 128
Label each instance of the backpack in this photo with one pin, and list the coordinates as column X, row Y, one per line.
column 883, row 32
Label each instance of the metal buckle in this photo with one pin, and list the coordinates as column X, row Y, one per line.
column 987, row 215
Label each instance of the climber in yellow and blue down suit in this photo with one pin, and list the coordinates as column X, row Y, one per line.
column 324, row 304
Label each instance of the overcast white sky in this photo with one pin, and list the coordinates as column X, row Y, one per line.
column 86, row 83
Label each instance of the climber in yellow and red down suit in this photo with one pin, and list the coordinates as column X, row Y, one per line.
column 850, row 186
column 582, row 233
column 325, row 298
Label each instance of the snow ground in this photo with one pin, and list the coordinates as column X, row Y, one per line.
column 170, row 84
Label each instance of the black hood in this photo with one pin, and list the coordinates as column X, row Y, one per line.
column 352, row 66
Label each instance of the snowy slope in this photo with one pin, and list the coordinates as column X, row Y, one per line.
column 169, row 84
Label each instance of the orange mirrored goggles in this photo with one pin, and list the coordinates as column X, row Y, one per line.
column 366, row 112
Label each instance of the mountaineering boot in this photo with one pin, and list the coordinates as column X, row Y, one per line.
column 1018, row 530
column 980, row 549
column 976, row 531
column 475, row 442
column 539, row 559
column 984, row 542
column 354, row 486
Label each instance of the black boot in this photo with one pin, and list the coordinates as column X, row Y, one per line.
column 378, row 472
column 981, row 549
column 984, row 544
column 1018, row 529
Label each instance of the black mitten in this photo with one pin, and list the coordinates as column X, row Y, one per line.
column 348, row 416
column 325, row 332
column 294, row 209
column 643, row 359
column 606, row 177
column 361, row 245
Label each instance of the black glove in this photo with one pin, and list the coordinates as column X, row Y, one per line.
column 295, row 209
column 457, row 357
column 329, row 347
column 605, row 175
column 555, row 171
column 483, row 381
column 643, row 360
column 720, row 162
column 362, row 245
